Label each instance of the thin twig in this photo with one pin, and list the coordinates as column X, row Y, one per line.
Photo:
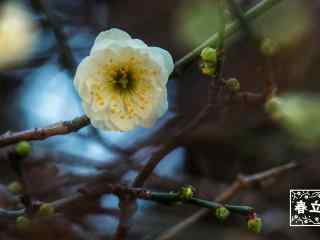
column 231, row 28
column 125, row 191
column 66, row 56
column 213, row 88
column 243, row 21
column 59, row 128
column 241, row 183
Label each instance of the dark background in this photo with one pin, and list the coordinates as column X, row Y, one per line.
column 233, row 139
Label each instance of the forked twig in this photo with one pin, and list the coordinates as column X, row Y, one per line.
column 241, row 183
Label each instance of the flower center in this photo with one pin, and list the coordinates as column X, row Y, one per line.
column 123, row 80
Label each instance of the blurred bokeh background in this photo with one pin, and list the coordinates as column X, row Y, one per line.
column 39, row 47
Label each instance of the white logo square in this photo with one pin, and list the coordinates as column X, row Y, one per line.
column 304, row 207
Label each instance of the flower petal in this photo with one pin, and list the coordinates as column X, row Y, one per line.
column 160, row 107
column 118, row 44
column 87, row 73
column 104, row 39
column 137, row 43
column 99, row 119
column 140, row 106
column 167, row 61
column 112, row 34
column 121, row 119
column 116, row 38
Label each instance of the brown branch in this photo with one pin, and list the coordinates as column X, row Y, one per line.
column 152, row 163
column 91, row 192
column 172, row 143
column 127, row 209
column 249, row 98
column 214, row 90
column 59, row 128
column 67, row 59
column 126, row 194
column 94, row 191
column 241, row 183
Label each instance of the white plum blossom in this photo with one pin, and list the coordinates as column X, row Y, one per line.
column 122, row 83
column 18, row 33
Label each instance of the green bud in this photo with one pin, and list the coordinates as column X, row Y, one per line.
column 46, row 210
column 273, row 107
column 222, row 213
column 208, row 69
column 15, row 187
column 233, row 85
column 23, row 223
column 209, row 54
column 23, row 148
column 269, row 47
column 255, row 224
column 299, row 115
column 186, row 192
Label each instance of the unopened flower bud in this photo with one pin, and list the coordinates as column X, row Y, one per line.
column 233, row 85
column 255, row 224
column 15, row 187
column 273, row 107
column 299, row 115
column 186, row 193
column 209, row 54
column 46, row 210
column 23, row 148
column 222, row 213
column 269, row 47
column 208, row 69
column 23, row 223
